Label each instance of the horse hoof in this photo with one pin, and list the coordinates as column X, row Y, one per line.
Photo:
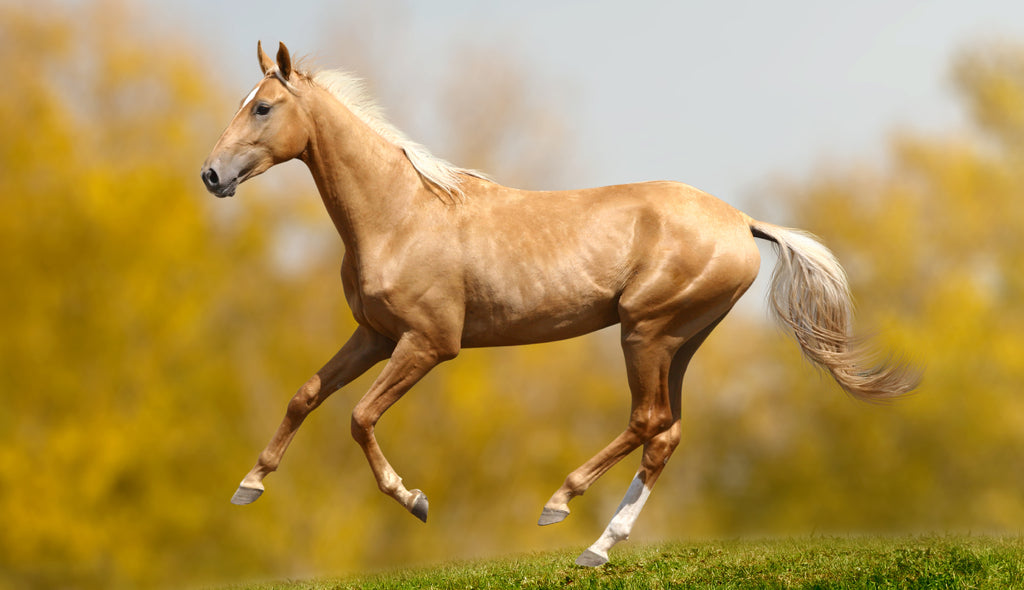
column 591, row 559
column 551, row 516
column 244, row 495
column 420, row 506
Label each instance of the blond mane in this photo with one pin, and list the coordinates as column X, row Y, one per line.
column 351, row 91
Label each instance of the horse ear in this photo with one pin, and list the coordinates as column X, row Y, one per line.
column 266, row 64
column 284, row 61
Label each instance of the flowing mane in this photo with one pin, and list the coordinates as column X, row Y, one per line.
column 351, row 91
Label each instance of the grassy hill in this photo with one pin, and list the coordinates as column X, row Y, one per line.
column 829, row 562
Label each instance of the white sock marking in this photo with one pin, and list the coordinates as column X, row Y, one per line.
column 625, row 517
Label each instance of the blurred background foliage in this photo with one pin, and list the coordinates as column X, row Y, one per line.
column 152, row 336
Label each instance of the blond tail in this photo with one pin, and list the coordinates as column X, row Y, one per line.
column 810, row 296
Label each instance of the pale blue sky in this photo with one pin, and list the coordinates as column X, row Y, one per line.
column 723, row 95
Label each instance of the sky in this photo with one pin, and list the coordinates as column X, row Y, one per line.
column 724, row 95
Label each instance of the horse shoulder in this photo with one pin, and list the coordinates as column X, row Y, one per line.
column 411, row 284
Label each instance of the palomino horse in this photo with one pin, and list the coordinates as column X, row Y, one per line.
column 438, row 258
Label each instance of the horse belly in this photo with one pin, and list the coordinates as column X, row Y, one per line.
column 539, row 307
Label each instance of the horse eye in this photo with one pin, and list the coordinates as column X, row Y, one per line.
column 262, row 109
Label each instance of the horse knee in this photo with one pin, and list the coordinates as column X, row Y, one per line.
column 575, row 484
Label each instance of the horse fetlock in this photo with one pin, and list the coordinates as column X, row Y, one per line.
column 266, row 463
column 557, row 508
column 575, row 485
column 391, row 484
column 618, row 531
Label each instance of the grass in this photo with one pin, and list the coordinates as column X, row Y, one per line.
column 846, row 562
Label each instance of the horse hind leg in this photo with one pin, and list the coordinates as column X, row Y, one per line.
column 657, row 452
column 647, row 367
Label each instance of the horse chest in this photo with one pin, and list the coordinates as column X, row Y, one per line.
column 391, row 301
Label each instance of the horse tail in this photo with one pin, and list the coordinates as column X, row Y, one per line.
column 810, row 297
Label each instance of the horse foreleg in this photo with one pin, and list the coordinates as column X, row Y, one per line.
column 413, row 358
column 364, row 349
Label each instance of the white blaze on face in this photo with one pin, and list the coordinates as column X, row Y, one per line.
column 249, row 98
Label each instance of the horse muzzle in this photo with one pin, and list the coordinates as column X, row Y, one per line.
column 218, row 186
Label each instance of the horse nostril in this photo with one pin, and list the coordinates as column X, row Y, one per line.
column 210, row 177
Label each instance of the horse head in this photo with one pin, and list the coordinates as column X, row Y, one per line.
column 269, row 128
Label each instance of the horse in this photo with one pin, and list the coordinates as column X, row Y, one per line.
column 438, row 258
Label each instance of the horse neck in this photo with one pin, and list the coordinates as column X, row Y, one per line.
column 365, row 181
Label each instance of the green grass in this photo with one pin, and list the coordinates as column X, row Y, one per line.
column 840, row 562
